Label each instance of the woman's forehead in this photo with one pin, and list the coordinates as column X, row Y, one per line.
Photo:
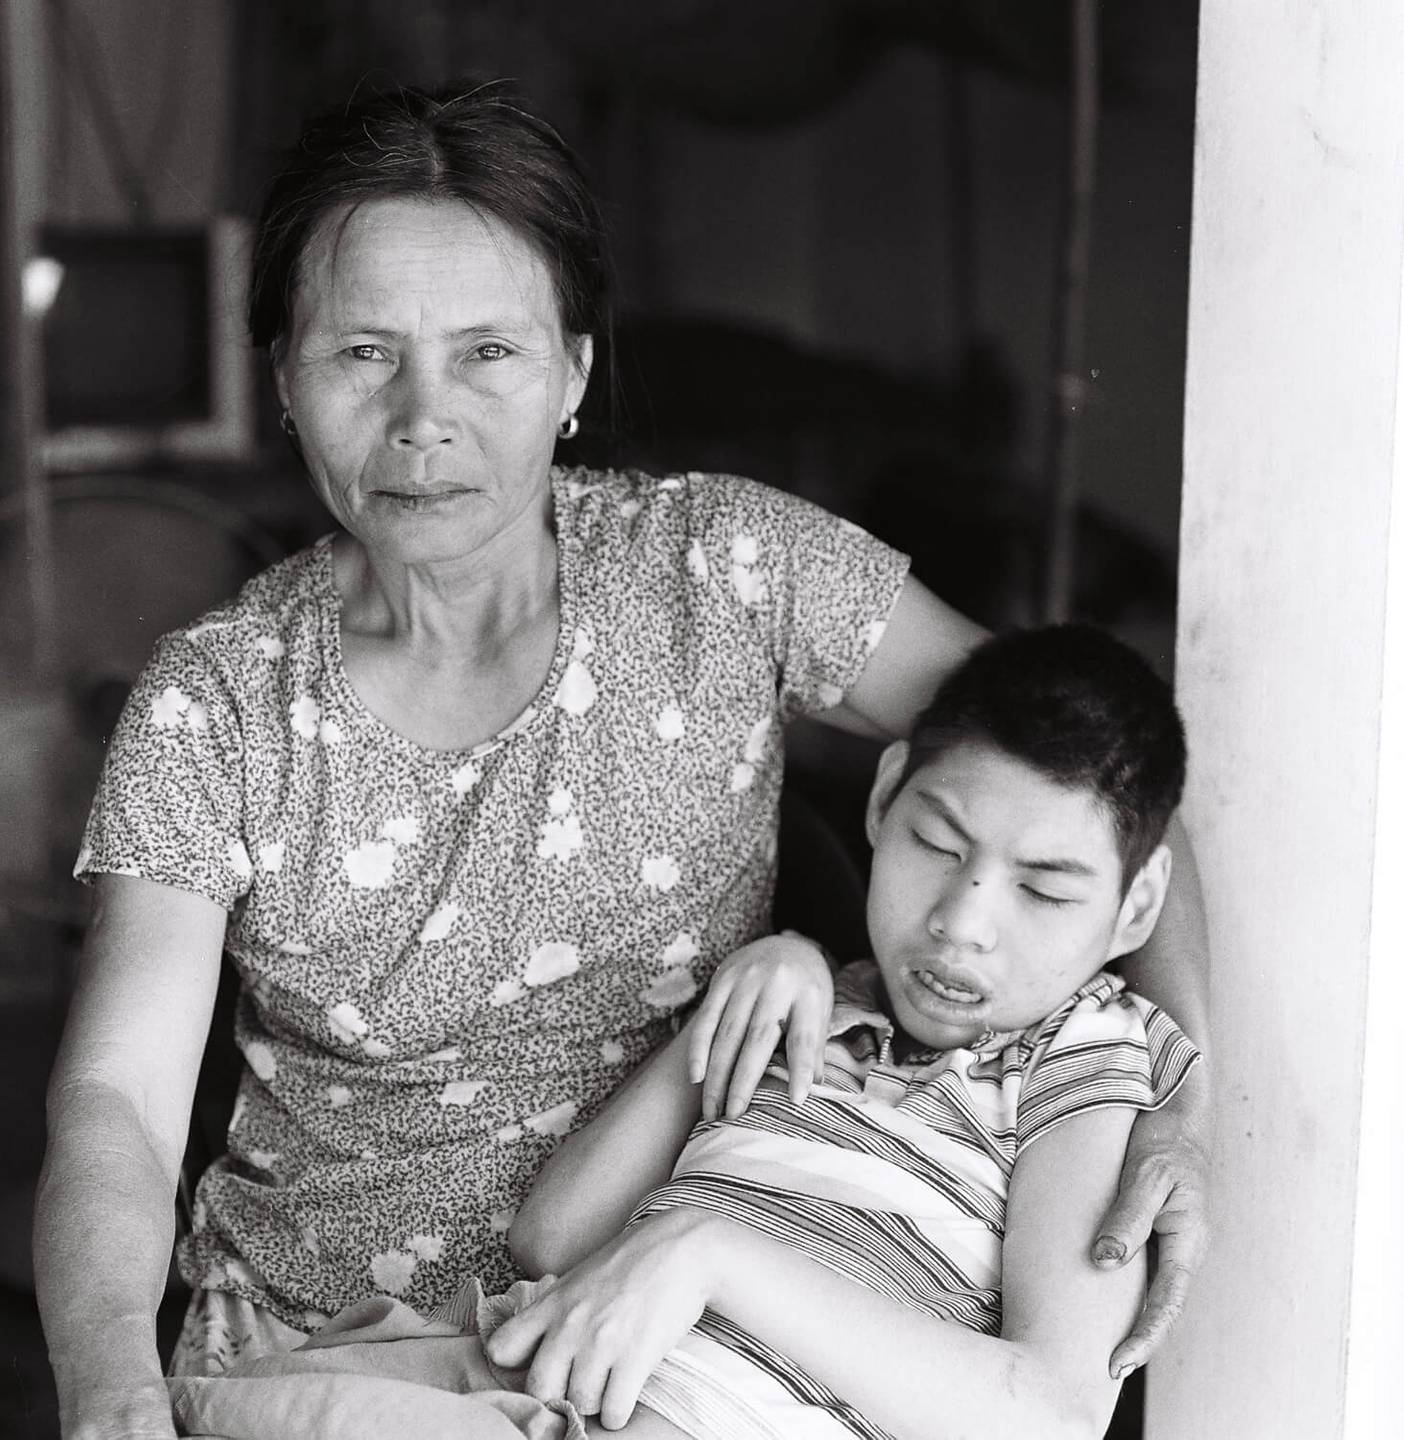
column 399, row 251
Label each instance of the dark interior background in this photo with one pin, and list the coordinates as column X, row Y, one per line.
column 836, row 226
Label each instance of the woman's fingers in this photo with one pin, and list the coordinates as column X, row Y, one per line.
column 1164, row 1305
column 1162, row 1192
column 778, row 984
column 761, row 1036
column 804, row 1052
column 730, row 1036
column 703, row 1028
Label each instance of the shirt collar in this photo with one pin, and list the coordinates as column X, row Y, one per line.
column 859, row 1001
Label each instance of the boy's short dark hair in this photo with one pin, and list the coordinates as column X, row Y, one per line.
column 1079, row 706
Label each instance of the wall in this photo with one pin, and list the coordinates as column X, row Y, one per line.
column 1294, row 479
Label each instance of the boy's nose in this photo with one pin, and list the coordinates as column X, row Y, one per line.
column 963, row 914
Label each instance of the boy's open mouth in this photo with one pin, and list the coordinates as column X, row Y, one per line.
column 953, row 994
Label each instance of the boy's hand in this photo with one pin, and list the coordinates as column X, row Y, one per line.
column 596, row 1336
column 1164, row 1184
column 780, row 984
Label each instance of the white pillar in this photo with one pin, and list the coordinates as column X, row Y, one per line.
column 1293, row 444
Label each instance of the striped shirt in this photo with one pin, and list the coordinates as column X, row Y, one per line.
column 897, row 1176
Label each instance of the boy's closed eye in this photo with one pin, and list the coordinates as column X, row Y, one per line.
column 938, row 846
column 1043, row 898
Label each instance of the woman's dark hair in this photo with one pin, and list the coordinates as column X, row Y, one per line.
column 1082, row 708
column 480, row 146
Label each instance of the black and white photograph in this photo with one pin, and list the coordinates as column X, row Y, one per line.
column 701, row 719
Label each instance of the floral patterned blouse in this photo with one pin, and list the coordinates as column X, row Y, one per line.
column 448, row 959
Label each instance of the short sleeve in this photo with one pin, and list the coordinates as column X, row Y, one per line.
column 825, row 586
column 169, row 803
column 1112, row 1049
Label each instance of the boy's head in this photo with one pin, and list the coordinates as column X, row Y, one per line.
column 1018, row 836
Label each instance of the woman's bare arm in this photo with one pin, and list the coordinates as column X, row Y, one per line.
column 119, row 1109
column 924, row 641
column 1164, row 1181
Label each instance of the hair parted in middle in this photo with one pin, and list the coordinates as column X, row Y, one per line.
column 481, row 145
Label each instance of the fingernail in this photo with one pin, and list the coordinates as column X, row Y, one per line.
column 1123, row 1370
column 1108, row 1250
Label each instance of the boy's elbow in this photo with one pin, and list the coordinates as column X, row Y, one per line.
column 540, row 1244
column 1065, row 1406
column 530, row 1247
column 1077, row 1414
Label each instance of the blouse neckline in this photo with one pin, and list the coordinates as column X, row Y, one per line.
column 530, row 718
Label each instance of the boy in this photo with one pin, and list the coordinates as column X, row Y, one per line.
column 897, row 1254
column 904, row 1251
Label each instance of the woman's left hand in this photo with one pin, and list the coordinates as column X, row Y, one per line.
column 1164, row 1190
column 596, row 1336
column 777, row 985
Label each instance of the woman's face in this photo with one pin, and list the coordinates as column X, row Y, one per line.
column 427, row 372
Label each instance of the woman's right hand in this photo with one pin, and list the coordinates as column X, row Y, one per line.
column 118, row 1110
column 780, row 984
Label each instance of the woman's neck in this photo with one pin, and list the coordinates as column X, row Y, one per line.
column 467, row 607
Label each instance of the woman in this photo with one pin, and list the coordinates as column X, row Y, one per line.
column 476, row 794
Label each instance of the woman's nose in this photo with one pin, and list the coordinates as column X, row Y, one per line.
column 422, row 417
column 963, row 914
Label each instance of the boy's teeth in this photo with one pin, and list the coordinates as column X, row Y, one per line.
column 957, row 993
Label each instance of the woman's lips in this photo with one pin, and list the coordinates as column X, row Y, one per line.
column 422, row 499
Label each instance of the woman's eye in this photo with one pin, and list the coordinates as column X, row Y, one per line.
column 491, row 350
column 365, row 352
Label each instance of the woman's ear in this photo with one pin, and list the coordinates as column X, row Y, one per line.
column 581, row 349
column 1141, row 907
column 277, row 354
column 892, row 763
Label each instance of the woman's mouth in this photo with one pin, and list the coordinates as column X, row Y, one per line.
column 421, row 499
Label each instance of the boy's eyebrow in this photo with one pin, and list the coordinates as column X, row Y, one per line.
column 1060, row 867
column 1078, row 868
column 936, row 803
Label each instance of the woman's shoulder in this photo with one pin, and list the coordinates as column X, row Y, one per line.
column 705, row 524
column 273, row 615
column 686, row 500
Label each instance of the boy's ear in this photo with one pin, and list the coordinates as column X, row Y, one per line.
column 1141, row 907
column 891, row 763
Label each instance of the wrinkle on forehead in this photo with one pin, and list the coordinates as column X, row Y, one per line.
column 323, row 249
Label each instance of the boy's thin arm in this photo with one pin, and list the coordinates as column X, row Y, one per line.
column 916, row 1375
column 587, row 1189
column 1164, row 1185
